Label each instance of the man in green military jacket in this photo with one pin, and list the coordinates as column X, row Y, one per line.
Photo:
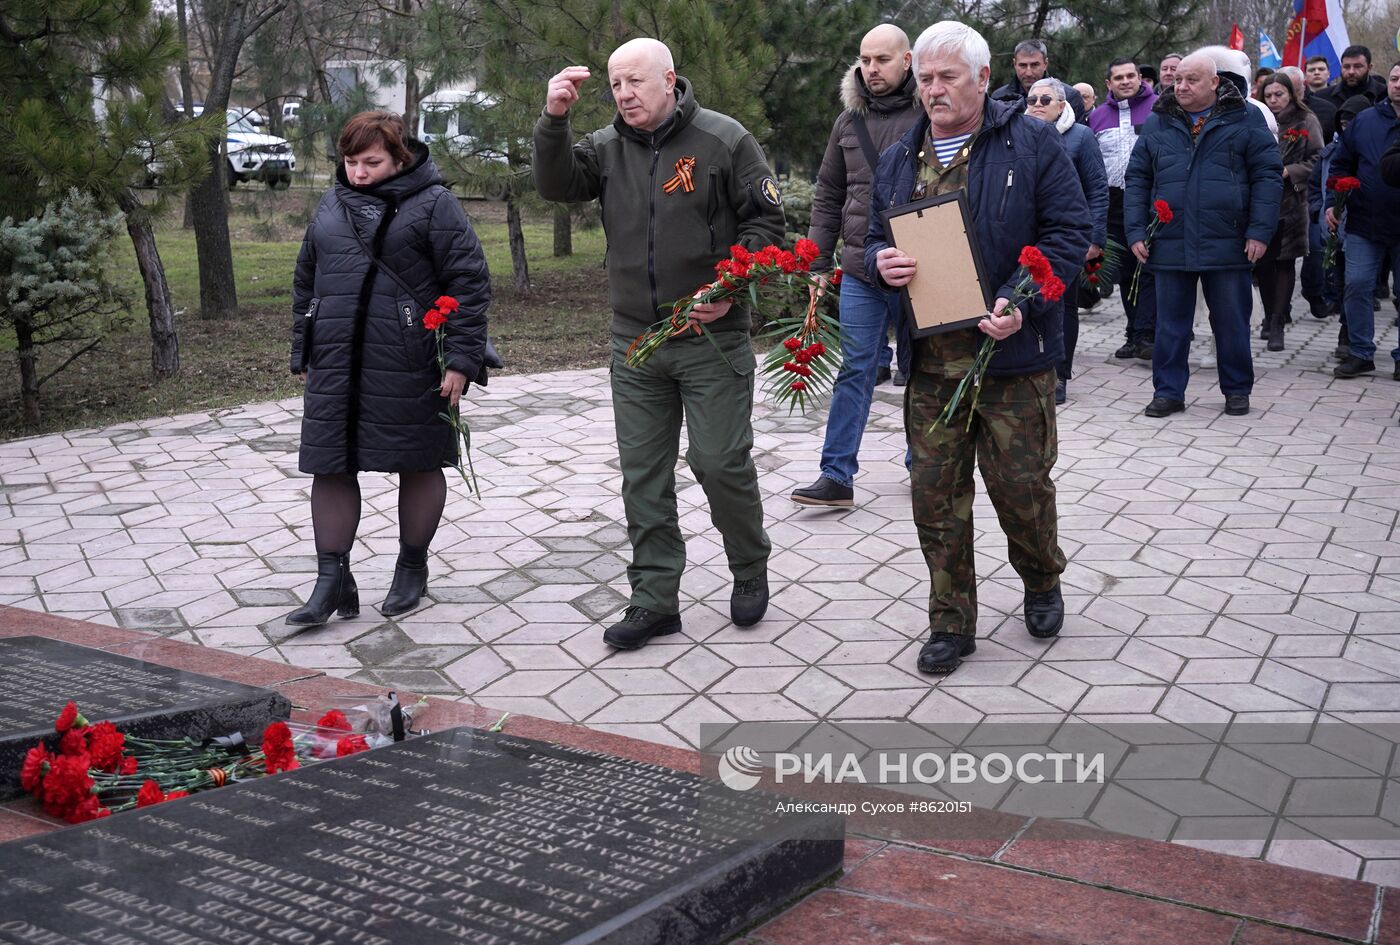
column 678, row 185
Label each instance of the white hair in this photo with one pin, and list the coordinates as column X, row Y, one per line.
column 1055, row 85
column 951, row 37
column 1225, row 59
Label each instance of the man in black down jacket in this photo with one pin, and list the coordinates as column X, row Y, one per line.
column 1023, row 191
column 665, row 235
column 878, row 93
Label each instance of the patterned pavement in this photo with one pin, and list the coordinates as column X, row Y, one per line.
column 1221, row 569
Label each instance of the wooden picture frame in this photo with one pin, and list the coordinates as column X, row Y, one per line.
column 950, row 288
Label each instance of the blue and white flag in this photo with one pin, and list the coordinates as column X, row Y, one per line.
column 1268, row 52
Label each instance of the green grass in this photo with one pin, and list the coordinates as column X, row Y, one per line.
column 561, row 324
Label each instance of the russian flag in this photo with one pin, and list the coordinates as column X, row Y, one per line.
column 1327, row 34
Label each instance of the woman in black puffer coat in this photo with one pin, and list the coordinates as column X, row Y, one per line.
column 384, row 244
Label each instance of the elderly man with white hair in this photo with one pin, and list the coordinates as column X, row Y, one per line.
column 1217, row 169
column 1233, row 65
column 677, row 185
column 1022, row 191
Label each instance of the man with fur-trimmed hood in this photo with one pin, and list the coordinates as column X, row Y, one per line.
column 880, row 106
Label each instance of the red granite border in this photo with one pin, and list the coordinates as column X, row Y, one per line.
column 996, row 882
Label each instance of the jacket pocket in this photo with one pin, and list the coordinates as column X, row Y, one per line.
column 1005, row 194
column 419, row 344
column 308, row 331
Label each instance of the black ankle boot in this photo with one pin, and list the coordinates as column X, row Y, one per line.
column 1273, row 330
column 335, row 593
column 410, row 581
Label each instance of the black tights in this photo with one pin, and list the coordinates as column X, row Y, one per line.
column 1276, row 278
column 335, row 509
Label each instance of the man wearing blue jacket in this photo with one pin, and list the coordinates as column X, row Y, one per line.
column 1023, row 191
column 1217, row 167
column 1373, row 224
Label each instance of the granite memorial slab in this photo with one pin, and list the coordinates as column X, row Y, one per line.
column 459, row 836
column 38, row 676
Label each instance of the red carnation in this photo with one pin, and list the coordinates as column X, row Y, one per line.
column 1163, row 210
column 36, row 765
column 434, row 320
column 1053, row 289
column 798, row 385
column 787, row 262
column 792, row 344
column 350, row 744
column 105, row 744
column 68, row 718
column 334, row 719
column 278, row 752
column 66, row 785
column 835, row 277
column 1345, row 184
column 740, row 255
column 767, row 256
column 446, row 304
column 129, row 765
column 149, row 794
column 818, row 349
column 174, row 794
column 806, row 250
column 89, row 808
column 73, row 742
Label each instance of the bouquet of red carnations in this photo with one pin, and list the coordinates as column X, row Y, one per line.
column 1037, row 278
column 803, row 360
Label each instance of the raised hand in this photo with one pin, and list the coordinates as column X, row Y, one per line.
column 563, row 90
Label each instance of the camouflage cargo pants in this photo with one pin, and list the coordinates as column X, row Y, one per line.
column 1013, row 439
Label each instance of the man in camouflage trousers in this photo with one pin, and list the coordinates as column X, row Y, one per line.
column 1023, row 191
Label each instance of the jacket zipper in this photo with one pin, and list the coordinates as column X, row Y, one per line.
column 1006, row 192
column 651, row 232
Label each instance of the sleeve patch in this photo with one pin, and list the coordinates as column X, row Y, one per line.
column 769, row 188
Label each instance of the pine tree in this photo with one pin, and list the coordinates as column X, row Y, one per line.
column 81, row 106
column 54, row 287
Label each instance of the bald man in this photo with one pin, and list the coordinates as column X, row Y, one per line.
column 880, row 105
column 678, row 185
column 1086, row 92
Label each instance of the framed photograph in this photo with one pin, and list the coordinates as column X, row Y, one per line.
column 950, row 288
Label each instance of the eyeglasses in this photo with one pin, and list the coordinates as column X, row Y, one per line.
column 1041, row 100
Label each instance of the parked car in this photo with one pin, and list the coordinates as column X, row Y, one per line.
column 291, row 112
column 253, row 155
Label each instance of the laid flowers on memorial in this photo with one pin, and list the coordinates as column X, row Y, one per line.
column 1161, row 215
column 1037, row 278
column 778, row 284
column 1342, row 188
column 435, row 321
column 98, row 770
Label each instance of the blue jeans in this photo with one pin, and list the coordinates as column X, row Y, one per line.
column 1364, row 258
column 1228, row 296
column 867, row 313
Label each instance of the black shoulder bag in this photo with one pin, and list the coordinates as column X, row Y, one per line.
column 490, row 358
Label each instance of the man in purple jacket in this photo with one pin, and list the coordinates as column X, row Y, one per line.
column 1116, row 123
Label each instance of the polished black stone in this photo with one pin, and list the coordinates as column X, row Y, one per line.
column 38, row 676
column 459, row 836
